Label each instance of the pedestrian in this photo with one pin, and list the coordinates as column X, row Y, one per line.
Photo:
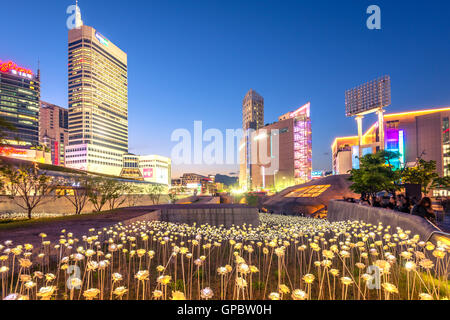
column 423, row 209
column 392, row 204
column 405, row 205
column 377, row 202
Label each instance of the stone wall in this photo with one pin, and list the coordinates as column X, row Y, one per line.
column 343, row 211
column 213, row 214
column 63, row 206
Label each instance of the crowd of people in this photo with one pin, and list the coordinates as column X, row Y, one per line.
column 401, row 203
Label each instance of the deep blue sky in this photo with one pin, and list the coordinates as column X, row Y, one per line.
column 195, row 59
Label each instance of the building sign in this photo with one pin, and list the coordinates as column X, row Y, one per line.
column 11, row 67
column 101, row 39
column 316, row 174
column 11, row 151
column 368, row 97
column 148, row 172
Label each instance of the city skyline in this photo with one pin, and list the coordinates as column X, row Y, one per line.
column 160, row 80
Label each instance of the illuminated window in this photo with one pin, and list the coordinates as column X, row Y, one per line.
column 308, row 192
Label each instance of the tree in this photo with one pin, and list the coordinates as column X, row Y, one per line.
column 441, row 183
column 175, row 192
column 251, row 199
column 376, row 174
column 81, row 188
column 114, row 191
column 98, row 194
column 155, row 191
column 423, row 173
column 26, row 186
column 134, row 195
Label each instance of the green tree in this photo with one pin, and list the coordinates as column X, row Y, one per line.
column 26, row 186
column 174, row 193
column 115, row 191
column 251, row 199
column 154, row 192
column 81, row 188
column 441, row 183
column 102, row 191
column 376, row 173
column 423, row 173
column 134, row 195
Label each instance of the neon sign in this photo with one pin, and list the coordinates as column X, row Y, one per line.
column 148, row 172
column 9, row 151
column 302, row 110
column 13, row 68
column 101, row 39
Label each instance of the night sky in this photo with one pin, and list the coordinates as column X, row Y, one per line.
column 195, row 59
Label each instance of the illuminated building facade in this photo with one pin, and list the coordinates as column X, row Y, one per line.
column 288, row 145
column 155, row 168
column 98, row 102
column 130, row 168
column 54, row 130
column 415, row 134
column 252, row 119
column 20, row 92
column 150, row 168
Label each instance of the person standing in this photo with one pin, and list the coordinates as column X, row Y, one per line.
column 423, row 209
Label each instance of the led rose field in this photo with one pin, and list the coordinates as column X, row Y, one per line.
column 283, row 258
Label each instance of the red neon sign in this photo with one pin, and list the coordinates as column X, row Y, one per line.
column 11, row 66
column 8, row 151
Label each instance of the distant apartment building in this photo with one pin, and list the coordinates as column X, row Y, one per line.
column 415, row 134
column 193, row 181
column 176, row 182
column 287, row 144
column 53, row 130
column 98, row 102
column 252, row 119
column 188, row 179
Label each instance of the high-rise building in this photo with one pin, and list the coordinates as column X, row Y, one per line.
column 98, row 102
column 20, row 91
column 252, row 119
column 252, row 111
column 53, row 130
column 415, row 134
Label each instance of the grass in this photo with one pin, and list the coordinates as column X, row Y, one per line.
column 25, row 223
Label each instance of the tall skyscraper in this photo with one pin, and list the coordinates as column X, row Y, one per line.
column 252, row 111
column 53, row 130
column 98, row 102
column 252, row 119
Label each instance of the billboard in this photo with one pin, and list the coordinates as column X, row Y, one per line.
column 148, row 172
column 368, row 97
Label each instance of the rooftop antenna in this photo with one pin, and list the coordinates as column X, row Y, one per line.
column 39, row 69
column 78, row 21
